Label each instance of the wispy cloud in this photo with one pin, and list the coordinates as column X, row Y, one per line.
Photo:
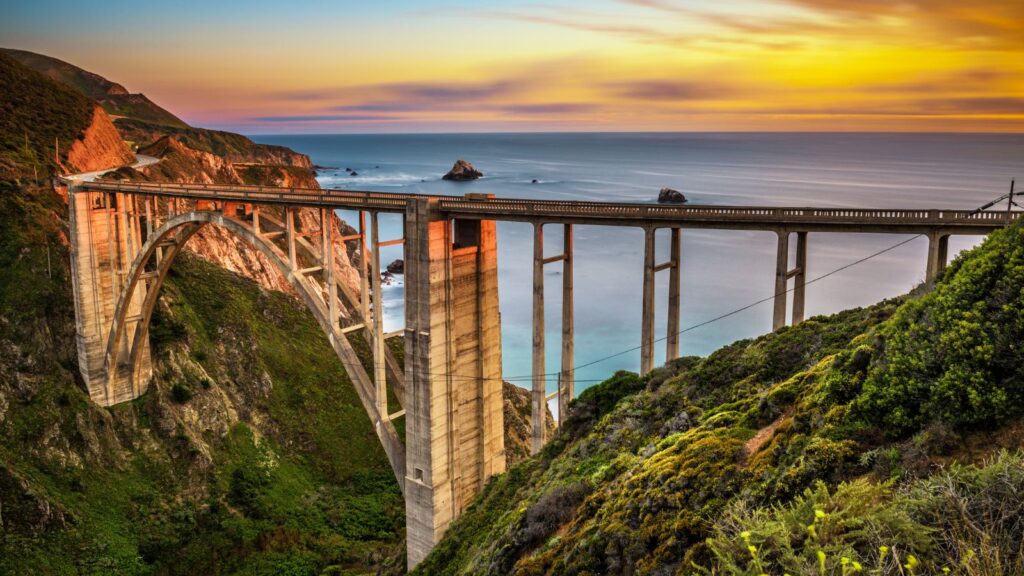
column 322, row 118
column 671, row 90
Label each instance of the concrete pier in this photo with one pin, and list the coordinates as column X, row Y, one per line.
column 538, row 391
column 938, row 254
column 567, row 376
column 675, row 273
column 454, row 407
column 102, row 248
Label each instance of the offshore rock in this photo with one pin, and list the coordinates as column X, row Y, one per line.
column 670, row 196
column 397, row 267
column 462, row 170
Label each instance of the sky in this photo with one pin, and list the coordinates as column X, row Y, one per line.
column 261, row 67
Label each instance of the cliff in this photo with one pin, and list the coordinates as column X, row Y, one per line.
column 113, row 97
column 99, row 146
column 47, row 127
column 863, row 442
column 518, row 426
column 182, row 163
column 233, row 148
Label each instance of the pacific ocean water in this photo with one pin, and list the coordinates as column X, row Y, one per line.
column 722, row 270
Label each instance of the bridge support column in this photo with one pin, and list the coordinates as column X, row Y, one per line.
column 675, row 265
column 539, row 390
column 377, row 343
column 454, row 406
column 567, row 377
column 799, row 277
column 647, row 314
column 781, row 276
column 100, row 248
column 938, row 254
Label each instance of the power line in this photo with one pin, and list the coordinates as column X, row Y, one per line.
column 530, row 377
column 773, row 296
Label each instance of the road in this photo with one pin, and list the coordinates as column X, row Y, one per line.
column 141, row 160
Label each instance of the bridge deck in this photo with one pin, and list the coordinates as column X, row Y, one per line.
column 596, row 213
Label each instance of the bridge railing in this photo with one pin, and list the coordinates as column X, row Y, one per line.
column 555, row 209
column 498, row 208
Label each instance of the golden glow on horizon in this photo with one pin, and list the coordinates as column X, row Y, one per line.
column 615, row 65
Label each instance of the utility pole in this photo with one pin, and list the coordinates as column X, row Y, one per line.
column 1009, row 204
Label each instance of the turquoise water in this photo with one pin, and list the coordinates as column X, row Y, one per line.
column 722, row 270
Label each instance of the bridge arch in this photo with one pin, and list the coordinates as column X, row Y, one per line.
column 152, row 270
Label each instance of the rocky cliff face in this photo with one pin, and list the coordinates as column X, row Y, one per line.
column 100, row 146
column 180, row 162
column 518, row 437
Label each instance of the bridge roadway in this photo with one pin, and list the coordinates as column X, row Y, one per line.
column 450, row 389
column 807, row 219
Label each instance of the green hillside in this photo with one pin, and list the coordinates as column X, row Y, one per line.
column 36, row 114
column 251, row 454
column 114, row 98
column 833, row 439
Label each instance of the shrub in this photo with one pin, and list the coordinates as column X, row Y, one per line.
column 180, row 393
column 817, row 531
column 247, row 489
column 952, row 354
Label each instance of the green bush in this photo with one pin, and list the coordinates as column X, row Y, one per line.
column 180, row 393
column 952, row 354
column 967, row 520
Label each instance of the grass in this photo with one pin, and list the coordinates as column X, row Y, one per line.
column 265, row 464
column 36, row 115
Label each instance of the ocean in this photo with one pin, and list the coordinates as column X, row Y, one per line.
column 722, row 270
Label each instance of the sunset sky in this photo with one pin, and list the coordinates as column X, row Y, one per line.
column 429, row 66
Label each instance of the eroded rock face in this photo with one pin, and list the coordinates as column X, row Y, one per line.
column 670, row 196
column 463, row 170
column 99, row 147
column 397, row 267
column 181, row 163
column 518, row 427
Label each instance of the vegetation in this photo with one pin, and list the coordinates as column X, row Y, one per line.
column 113, row 97
column 36, row 115
column 233, row 147
column 250, row 455
column 965, row 520
column 820, row 437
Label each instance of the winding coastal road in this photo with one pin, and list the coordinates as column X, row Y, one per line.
column 141, row 161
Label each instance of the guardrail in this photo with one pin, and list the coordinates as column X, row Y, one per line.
column 502, row 208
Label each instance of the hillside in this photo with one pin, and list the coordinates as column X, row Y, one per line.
column 833, row 439
column 114, row 98
column 39, row 117
column 251, row 452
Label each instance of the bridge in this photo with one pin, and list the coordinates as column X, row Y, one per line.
column 125, row 236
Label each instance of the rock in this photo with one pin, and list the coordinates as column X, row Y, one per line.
column 462, row 170
column 534, row 181
column 397, row 267
column 353, row 173
column 670, row 196
column 387, row 278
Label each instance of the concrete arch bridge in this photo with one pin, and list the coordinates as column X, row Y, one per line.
column 125, row 237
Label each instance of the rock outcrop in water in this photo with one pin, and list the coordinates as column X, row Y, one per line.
column 670, row 196
column 397, row 267
column 462, row 170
